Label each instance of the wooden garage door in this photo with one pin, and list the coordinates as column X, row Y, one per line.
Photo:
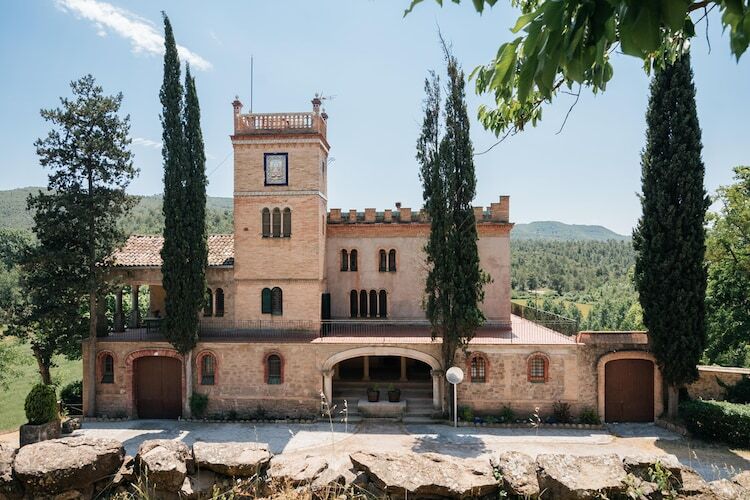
column 629, row 390
column 158, row 387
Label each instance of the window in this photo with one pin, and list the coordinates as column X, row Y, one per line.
column 381, row 265
column 266, row 222
column 277, row 302
column 538, row 368
column 392, row 261
column 219, row 303
column 478, row 369
column 276, row 223
column 353, row 260
column 344, row 260
column 208, row 369
column 353, row 303
column 208, row 306
column 363, row 303
column 265, row 300
column 373, row 303
column 383, row 310
column 273, row 368
column 108, row 369
column 287, row 223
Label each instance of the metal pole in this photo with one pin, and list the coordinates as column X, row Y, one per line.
column 251, row 84
column 455, row 405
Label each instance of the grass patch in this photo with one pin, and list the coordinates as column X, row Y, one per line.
column 13, row 397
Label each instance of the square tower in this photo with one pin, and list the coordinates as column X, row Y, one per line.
column 280, row 203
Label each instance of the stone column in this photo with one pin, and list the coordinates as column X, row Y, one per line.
column 119, row 323
column 328, row 385
column 437, row 383
column 366, row 368
column 134, row 314
column 403, row 369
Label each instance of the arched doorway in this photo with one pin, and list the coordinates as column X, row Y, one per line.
column 157, row 386
column 630, row 387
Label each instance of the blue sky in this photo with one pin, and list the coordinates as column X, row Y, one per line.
column 374, row 61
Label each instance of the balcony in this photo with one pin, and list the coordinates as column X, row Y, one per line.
column 273, row 123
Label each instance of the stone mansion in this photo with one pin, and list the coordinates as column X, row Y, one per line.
column 340, row 310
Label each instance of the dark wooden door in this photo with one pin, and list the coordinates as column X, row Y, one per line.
column 629, row 391
column 158, row 387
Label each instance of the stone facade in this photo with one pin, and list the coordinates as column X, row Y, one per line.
column 707, row 385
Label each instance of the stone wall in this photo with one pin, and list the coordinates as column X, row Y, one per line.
column 707, row 386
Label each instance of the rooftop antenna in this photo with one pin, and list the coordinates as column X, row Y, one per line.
column 251, row 83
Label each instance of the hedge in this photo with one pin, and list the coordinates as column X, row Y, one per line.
column 41, row 404
column 718, row 421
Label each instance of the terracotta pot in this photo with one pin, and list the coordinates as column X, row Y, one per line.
column 394, row 396
column 373, row 396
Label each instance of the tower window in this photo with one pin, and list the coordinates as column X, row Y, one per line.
column 287, row 223
column 363, row 303
column 265, row 299
column 108, row 369
column 344, row 260
column 478, row 369
column 353, row 260
column 392, row 261
column 274, row 373
column 383, row 306
column 353, row 303
column 538, row 368
column 382, row 263
column 219, row 302
column 373, row 303
column 266, row 222
column 277, row 302
column 208, row 369
column 276, row 223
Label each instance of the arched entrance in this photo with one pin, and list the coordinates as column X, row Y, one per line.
column 157, row 387
column 630, row 387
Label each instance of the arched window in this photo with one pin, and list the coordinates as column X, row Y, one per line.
column 108, row 369
column 265, row 301
column 353, row 260
column 363, row 303
column 208, row 369
column 392, row 261
column 381, row 266
column 353, row 303
column 277, row 302
column 373, row 303
column 287, row 222
column 219, row 303
column 538, row 368
column 344, row 260
column 266, row 222
column 273, row 369
column 478, row 369
column 208, row 306
column 276, row 223
column 383, row 309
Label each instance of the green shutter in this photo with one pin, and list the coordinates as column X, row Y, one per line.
column 266, row 301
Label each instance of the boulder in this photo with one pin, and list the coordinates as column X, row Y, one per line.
column 199, row 486
column 639, row 465
column 725, row 489
column 568, row 477
column 126, row 473
column 427, row 475
column 9, row 486
column 232, row 459
column 72, row 463
column 743, row 479
column 337, row 478
column 518, row 474
column 165, row 463
column 295, row 470
column 692, row 483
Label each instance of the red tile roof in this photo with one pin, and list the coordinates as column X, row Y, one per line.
column 145, row 251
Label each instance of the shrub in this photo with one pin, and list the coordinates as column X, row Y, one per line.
column 41, row 404
column 466, row 414
column 198, row 404
column 718, row 421
column 561, row 412
column 737, row 393
column 72, row 394
column 506, row 415
column 589, row 416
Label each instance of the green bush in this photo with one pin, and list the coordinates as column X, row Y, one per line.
column 561, row 412
column 737, row 393
column 72, row 393
column 41, row 404
column 465, row 413
column 506, row 415
column 198, row 404
column 718, row 421
column 589, row 416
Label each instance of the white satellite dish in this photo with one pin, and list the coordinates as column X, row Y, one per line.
column 455, row 375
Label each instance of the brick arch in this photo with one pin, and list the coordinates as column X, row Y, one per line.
column 478, row 355
column 199, row 365
column 545, row 357
column 129, row 374
column 100, row 365
column 267, row 355
column 614, row 356
column 381, row 351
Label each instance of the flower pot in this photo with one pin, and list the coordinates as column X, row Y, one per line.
column 394, row 396
column 373, row 396
column 29, row 433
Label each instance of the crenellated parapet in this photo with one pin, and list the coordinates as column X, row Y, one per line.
column 496, row 213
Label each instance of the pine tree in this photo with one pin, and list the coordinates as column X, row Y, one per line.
column 669, row 240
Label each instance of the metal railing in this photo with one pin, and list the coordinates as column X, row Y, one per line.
column 566, row 326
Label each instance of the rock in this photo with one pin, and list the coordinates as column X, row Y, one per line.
column 338, row 478
column 518, row 472
column 567, row 477
column 426, row 475
column 9, row 486
column 199, row 486
column 743, row 479
column 692, row 484
column 165, row 463
column 295, row 470
column 70, row 424
column 727, row 490
column 30, row 434
column 635, row 487
column 72, row 463
column 639, row 465
column 232, row 459
column 126, row 474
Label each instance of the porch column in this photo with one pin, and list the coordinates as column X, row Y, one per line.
column 328, row 386
column 366, row 368
column 134, row 315
column 437, row 383
column 119, row 323
column 403, row 369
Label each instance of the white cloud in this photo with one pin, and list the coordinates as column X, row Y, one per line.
column 140, row 141
column 143, row 35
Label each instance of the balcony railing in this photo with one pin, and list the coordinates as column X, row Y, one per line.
column 279, row 122
column 566, row 326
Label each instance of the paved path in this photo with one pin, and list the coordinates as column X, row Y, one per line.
column 712, row 461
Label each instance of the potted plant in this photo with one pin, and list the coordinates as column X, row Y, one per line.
column 394, row 394
column 373, row 394
column 42, row 414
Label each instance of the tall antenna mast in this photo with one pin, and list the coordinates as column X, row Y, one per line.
column 251, row 83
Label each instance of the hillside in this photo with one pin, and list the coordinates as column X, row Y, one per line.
column 553, row 230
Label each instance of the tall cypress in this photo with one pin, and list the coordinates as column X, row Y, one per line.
column 670, row 274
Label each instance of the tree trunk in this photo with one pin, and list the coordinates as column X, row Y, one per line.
column 91, row 375
column 43, row 365
column 673, row 400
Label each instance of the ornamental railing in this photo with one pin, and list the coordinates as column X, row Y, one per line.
column 279, row 122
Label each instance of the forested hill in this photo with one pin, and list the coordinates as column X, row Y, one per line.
column 147, row 219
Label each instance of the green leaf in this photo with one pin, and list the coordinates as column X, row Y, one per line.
column 645, row 27
column 673, row 13
column 505, row 63
column 523, row 21
column 479, row 5
column 526, row 78
column 411, row 7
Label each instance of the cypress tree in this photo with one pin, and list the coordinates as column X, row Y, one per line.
column 669, row 240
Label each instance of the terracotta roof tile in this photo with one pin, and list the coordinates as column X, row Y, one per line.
column 145, row 251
